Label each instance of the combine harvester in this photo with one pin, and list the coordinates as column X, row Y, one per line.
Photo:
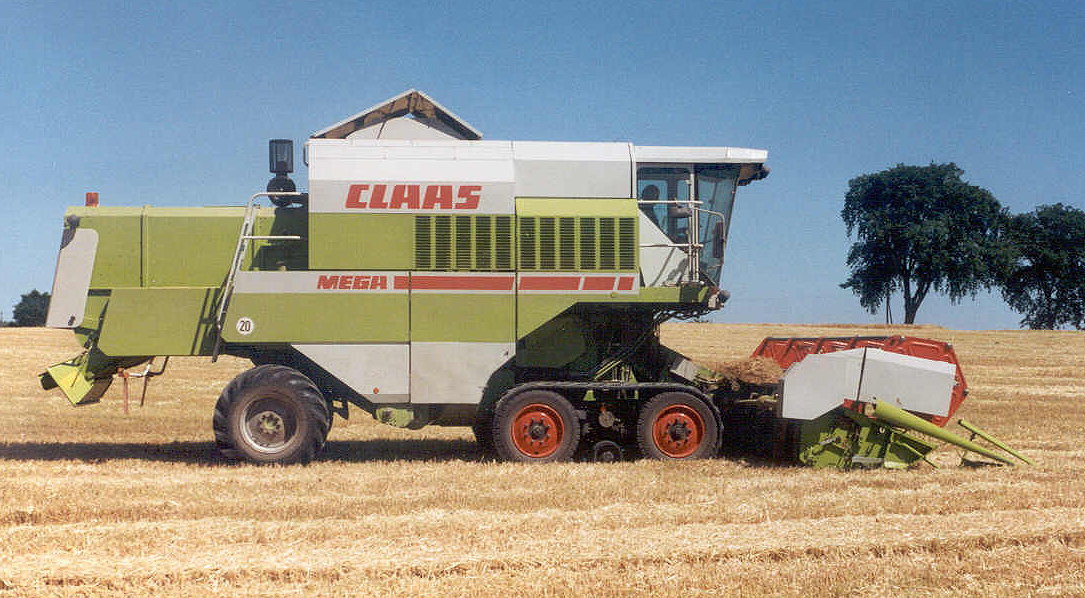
column 429, row 277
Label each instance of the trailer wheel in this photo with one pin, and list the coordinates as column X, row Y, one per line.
column 271, row 414
column 535, row 426
column 677, row 425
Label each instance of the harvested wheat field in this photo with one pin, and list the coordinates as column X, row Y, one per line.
column 93, row 502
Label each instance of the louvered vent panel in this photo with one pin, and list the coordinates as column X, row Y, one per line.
column 527, row 244
column 463, row 243
column 627, row 243
column 442, row 243
column 423, row 243
column 572, row 244
column 483, row 243
column 464, row 252
column 607, row 242
column 567, row 243
column 547, row 244
column 503, row 240
column 589, row 246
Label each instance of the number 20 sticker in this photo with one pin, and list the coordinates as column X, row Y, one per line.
column 245, row 326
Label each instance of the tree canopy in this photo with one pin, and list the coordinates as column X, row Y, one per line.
column 920, row 229
column 31, row 309
column 1046, row 282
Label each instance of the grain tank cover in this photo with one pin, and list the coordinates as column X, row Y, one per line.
column 390, row 119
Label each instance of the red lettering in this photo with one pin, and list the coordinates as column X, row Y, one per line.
column 404, row 195
column 379, row 282
column 376, row 201
column 327, row 282
column 438, row 196
column 345, row 282
column 354, row 196
column 470, row 194
column 360, row 282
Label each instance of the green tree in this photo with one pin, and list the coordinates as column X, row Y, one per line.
column 1046, row 282
column 31, row 309
column 920, row 229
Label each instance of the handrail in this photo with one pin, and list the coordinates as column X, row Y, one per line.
column 243, row 238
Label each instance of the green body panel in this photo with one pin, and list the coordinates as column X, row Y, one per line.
column 278, row 254
column 85, row 377
column 602, row 208
column 554, row 344
column 159, row 321
column 844, row 439
column 361, row 241
column 118, row 262
column 685, row 294
column 316, row 318
column 186, row 247
column 439, row 317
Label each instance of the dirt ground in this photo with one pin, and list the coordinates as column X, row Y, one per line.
column 95, row 503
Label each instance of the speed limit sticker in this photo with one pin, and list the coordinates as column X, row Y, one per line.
column 244, row 326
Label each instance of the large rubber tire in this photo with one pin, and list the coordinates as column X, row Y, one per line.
column 536, row 426
column 271, row 414
column 483, row 428
column 678, row 426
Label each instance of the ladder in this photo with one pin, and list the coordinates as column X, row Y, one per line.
column 244, row 236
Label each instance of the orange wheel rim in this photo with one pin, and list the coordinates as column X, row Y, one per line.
column 537, row 430
column 678, row 431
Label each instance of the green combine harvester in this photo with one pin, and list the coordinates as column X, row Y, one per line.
column 430, row 277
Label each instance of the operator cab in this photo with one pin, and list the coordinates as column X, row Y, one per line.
column 686, row 210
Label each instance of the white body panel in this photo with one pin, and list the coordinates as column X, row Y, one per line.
column 913, row 383
column 699, row 155
column 479, row 170
column 75, row 265
column 379, row 372
column 822, row 382
column 353, row 281
column 661, row 266
column 582, row 170
column 454, row 373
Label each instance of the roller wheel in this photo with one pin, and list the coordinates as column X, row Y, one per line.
column 271, row 414
column 535, row 426
column 677, row 425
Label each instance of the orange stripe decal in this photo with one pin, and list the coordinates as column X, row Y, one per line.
column 599, row 283
column 550, row 283
column 462, row 283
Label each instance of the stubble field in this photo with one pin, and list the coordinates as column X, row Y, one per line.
column 94, row 502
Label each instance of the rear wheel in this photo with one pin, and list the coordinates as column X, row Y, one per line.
column 677, row 425
column 271, row 414
column 535, row 426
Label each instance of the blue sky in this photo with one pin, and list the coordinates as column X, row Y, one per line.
column 173, row 103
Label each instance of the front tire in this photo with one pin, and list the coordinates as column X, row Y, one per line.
column 536, row 426
column 271, row 414
column 678, row 426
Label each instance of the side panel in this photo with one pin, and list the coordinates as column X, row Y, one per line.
column 463, row 328
column 362, row 241
column 188, row 247
column 161, row 321
column 586, row 170
column 319, row 307
column 454, row 373
column 75, row 264
column 379, row 372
